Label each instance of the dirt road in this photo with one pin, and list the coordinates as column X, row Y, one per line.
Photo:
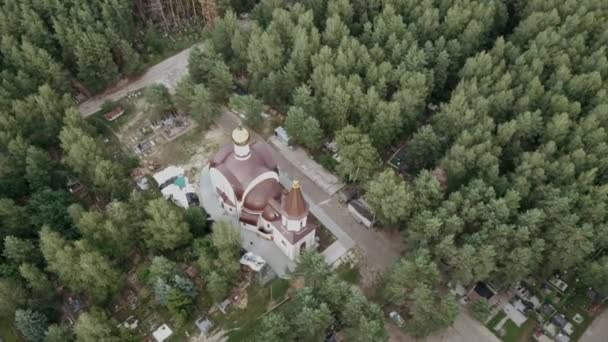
column 598, row 331
column 464, row 329
column 167, row 72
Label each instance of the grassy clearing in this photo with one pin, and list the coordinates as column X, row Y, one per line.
column 7, row 333
column 240, row 323
column 513, row 333
column 497, row 318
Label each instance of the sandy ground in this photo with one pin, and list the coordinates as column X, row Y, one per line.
column 598, row 330
column 217, row 337
column 203, row 150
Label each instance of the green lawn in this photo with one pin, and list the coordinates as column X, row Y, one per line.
column 515, row 333
column 240, row 324
column 7, row 332
column 497, row 318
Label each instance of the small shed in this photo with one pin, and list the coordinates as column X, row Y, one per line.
column 162, row 333
column 114, row 113
column 282, row 135
column 362, row 212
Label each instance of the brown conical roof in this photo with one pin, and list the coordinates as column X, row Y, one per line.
column 294, row 205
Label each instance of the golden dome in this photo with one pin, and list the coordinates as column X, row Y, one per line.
column 240, row 136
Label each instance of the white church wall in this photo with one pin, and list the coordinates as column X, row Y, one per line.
column 295, row 225
column 220, row 182
column 307, row 242
column 282, row 243
column 242, row 152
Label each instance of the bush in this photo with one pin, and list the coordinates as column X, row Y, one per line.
column 481, row 309
column 327, row 161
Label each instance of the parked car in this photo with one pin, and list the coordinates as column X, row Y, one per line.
column 396, row 317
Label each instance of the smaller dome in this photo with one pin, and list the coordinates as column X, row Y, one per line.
column 269, row 214
column 240, row 136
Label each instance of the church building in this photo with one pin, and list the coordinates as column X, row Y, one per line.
column 246, row 179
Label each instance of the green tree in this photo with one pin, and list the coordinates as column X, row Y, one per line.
column 196, row 218
column 303, row 129
column 95, row 325
column 19, row 250
column 390, row 198
column 227, row 241
column 302, row 98
column 108, row 231
column 109, row 178
column 128, row 59
column 249, row 107
column 481, row 309
column 200, row 61
column 38, row 169
column 265, row 54
column 596, row 275
column 219, row 259
column 313, row 268
column 13, row 219
column 12, row 165
column 12, row 296
column 313, row 316
column 367, row 330
column 218, row 286
column 58, row 333
column 387, row 124
column 31, row 324
column 165, row 228
column 424, row 149
column 427, row 191
column 158, row 97
column 273, row 328
column 49, row 207
column 335, row 30
column 180, row 306
column 37, row 281
column 161, row 268
column 358, row 158
column 429, row 312
column 95, row 63
column 78, row 266
column 220, row 82
column 409, row 273
column 197, row 101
